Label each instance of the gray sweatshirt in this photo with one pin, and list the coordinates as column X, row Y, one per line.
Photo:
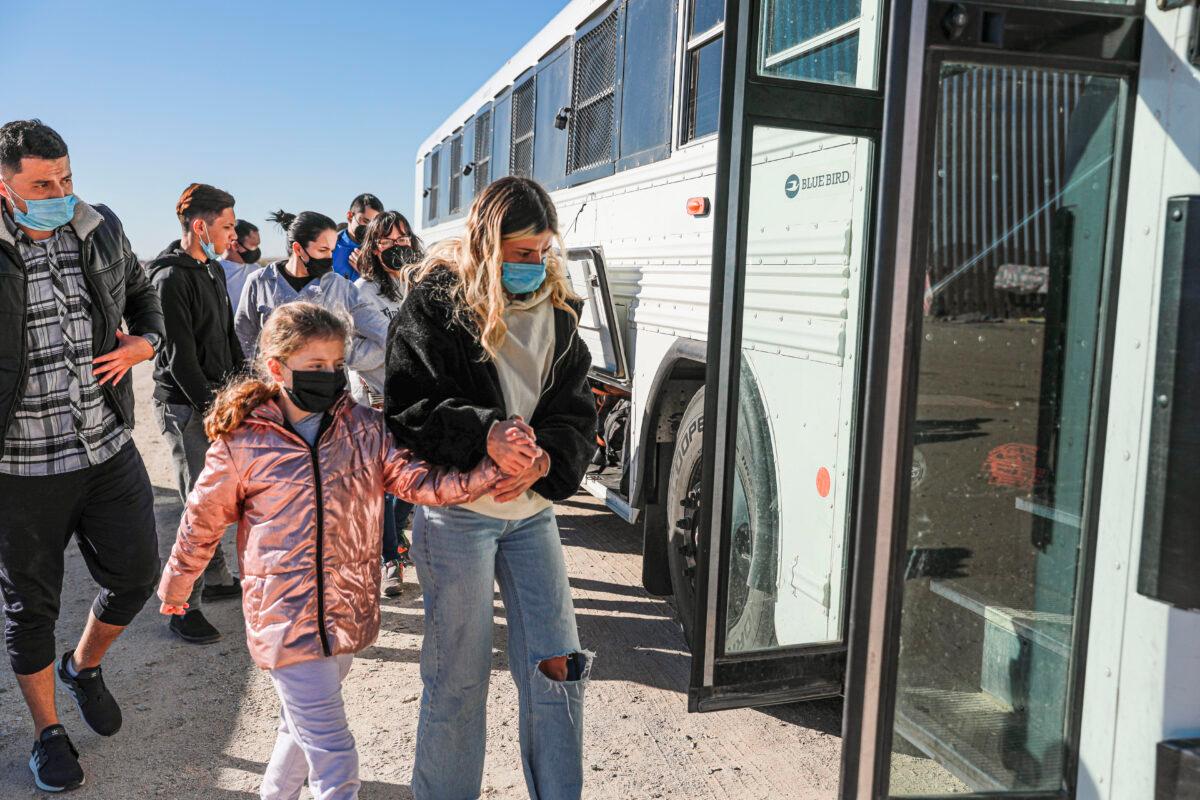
column 366, row 386
column 267, row 289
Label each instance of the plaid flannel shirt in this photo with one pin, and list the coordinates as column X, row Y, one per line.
column 63, row 422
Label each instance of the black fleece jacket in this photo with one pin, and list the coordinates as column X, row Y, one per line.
column 200, row 351
column 442, row 394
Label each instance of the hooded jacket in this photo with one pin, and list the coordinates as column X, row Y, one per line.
column 201, row 351
column 267, row 289
column 118, row 289
column 341, row 256
column 443, row 393
column 309, row 526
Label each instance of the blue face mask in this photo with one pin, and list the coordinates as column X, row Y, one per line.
column 209, row 250
column 523, row 278
column 43, row 215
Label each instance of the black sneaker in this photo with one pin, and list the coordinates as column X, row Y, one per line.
column 55, row 761
column 99, row 708
column 221, row 591
column 193, row 628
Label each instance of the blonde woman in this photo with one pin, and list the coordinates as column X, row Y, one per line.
column 484, row 359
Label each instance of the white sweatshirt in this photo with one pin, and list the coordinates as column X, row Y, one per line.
column 523, row 364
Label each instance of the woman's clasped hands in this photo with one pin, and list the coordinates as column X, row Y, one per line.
column 512, row 444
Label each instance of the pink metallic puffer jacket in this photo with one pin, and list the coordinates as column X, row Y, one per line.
column 309, row 526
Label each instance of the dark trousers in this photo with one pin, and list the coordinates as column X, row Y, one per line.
column 183, row 428
column 395, row 517
column 110, row 509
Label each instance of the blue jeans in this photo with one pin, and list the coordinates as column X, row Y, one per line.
column 459, row 554
column 395, row 515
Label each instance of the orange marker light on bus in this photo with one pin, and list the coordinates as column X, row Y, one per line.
column 697, row 206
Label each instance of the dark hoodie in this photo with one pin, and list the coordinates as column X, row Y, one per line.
column 200, row 351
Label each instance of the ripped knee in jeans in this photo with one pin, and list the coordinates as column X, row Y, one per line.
column 572, row 667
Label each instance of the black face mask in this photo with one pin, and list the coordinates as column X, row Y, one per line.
column 399, row 256
column 252, row 256
column 316, row 391
column 318, row 266
column 359, row 233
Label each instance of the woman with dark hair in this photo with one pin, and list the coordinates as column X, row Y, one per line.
column 388, row 246
column 485, row 358
column 307, row 274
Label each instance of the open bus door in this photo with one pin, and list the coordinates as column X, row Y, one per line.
column 799, row 124
column 1000, row 208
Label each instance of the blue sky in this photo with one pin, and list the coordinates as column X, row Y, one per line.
column 299, row 104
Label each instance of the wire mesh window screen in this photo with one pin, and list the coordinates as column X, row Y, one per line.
column 456, row 157
column 483, row 151
column 434, row 179
column 521, row 157
column 593, row 97
column 456, row 174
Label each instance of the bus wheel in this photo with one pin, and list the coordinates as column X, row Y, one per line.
column 750, row 621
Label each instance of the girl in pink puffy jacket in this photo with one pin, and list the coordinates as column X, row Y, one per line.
column 302, row 470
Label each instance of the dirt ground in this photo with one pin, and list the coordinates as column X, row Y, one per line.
column 200, row 721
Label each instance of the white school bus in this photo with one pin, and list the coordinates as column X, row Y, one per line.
column 890, row 307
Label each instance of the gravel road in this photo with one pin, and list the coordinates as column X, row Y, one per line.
column 200, row 721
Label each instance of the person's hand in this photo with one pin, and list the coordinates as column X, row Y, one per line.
column 355, row 254
column 510, row 487
column 130, row 350
column 172, row 611
column 513, row 445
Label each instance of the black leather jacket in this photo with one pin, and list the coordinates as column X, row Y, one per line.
column 118, row 288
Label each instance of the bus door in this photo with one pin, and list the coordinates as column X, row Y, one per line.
column 800, row 116
column 1002, row 171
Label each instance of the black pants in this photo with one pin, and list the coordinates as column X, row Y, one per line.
column 110, row 508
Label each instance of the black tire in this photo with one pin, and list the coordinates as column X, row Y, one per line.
column 750, row 623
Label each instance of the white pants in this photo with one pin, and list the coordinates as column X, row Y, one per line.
column 314, row 740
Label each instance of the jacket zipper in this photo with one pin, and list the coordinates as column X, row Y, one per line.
column 324, row 636
column 554, row 367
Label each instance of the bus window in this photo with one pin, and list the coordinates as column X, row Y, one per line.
column 645, row 119
column 593, row 96
column 434, row 176
column 706, row 15
column 553, row 93
column 702, row 62
column 482, row 171
column 815, row 41
column 520, row 160
column 501, row 135
column 456, row 165
column 1023, row 173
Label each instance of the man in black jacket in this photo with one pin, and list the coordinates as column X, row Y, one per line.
column 200, row 353
column 68, row 465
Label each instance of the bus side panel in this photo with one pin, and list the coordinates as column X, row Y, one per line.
column 799, row 333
